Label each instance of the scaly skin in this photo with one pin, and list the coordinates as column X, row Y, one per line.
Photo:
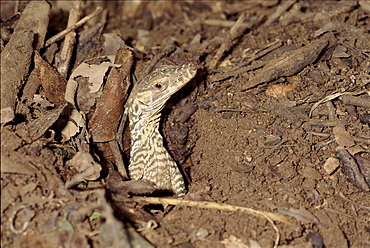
column 149, row 159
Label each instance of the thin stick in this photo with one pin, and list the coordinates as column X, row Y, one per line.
column 70, row 39
column 59, row 36
column 219, row 77
column 270, row 47
column 333, row 96
column 227, row 43
column 219, row 206
column 284, row 6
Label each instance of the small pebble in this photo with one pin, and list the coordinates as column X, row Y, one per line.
column 200, row 234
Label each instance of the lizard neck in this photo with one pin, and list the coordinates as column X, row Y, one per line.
column 149, row 159
column 144, row 137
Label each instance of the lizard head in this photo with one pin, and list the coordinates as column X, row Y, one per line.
column 156, row 88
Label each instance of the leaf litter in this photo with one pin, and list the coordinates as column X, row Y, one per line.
column 246, row 137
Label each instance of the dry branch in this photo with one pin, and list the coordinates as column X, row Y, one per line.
column 60, row 35
column 271, row 217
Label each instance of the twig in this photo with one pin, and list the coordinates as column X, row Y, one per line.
column 351, row 170
column 322, row 144
column 340, row 213
column 361, row 53
column 168, row 48
column 224, row 23
column 239, row 110
column 234, row 110
column 269, row 48
column 319, row 134
column 236, row 69
column 271, row 217
column 331, row 97
column 227, row 43
column 362, row 140
column 280, row 9
column 70, row 39
column 367, row 208
column 219, row 77
column 60, row 35
column 327, row 123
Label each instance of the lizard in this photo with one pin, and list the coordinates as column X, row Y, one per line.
column 149, row 159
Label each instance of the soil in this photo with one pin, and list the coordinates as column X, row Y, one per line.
column 257, row 144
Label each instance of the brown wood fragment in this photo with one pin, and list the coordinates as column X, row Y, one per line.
column 116, row 185
column 53, row 83
column 70, row 39
column 234, row 32
column 35, row 17
column 60, row 35
column 88, row 43
column 284, row 6
column 15, row 63
column 356, row 100
column 351, row 170
column 364, row 166
column 292, row 63
column 17, row 54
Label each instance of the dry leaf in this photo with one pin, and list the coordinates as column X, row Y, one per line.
column 109, row 108
column 95, row 69
column 75, row 123
column 87, row 168
column 53, row 83
column 15, row 62
column 112, row 43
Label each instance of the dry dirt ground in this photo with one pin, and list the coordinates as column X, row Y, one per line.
column 264, row 165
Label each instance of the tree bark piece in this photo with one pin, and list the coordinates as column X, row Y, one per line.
column 17, row 54
column 15, row 62
column 290, row 64
column 35, row 17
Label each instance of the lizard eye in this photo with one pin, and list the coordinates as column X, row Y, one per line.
column 158, row 86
